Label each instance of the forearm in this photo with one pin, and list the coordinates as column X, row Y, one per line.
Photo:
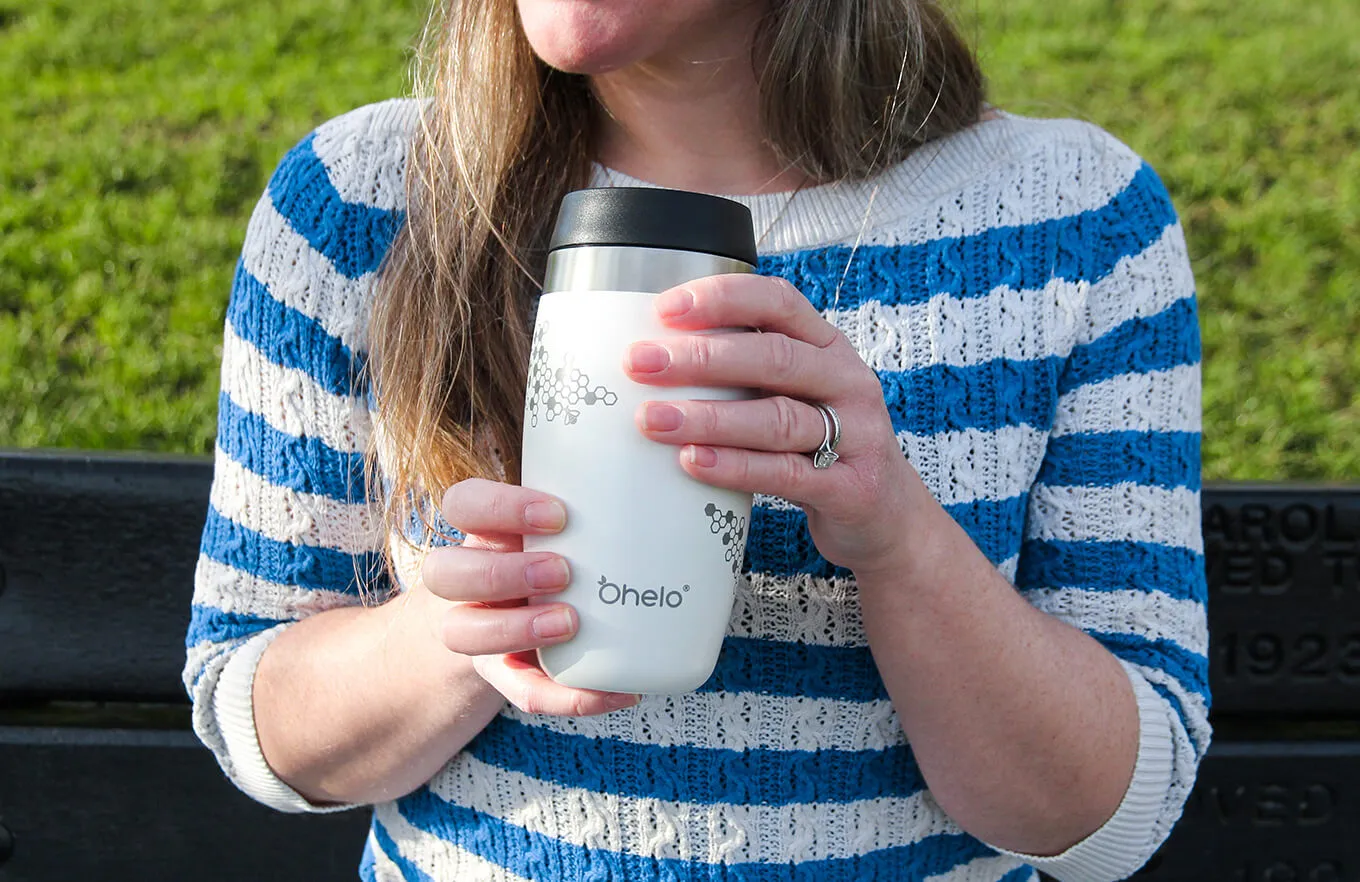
column 1025, row 729
column 364, row 704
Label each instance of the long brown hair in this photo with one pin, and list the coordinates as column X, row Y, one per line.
column 848, row 88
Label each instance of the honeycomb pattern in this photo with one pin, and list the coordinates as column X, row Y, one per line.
column 560, row 391
column 732, row 529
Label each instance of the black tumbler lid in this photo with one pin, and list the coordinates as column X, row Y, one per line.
column 648, row 217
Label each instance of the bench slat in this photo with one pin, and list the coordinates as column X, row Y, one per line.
column 1284, row 600
column 149, row 805
column 97, row 556
column 120, row 805
column 97, row 559
column 1268, row 812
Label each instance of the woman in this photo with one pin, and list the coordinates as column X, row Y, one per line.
column 971, row 647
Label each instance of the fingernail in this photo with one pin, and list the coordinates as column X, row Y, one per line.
column 545, row 574
column 619, row 702
column 703, row 457
column 647, row 358
column 545, row 515
column 555, row 623
column 675, row 302
column 662, row 418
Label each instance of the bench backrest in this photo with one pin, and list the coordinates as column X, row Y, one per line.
column 98, row 773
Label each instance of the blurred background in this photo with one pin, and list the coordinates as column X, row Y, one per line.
column 136, row 135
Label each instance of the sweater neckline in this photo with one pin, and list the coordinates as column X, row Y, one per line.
column 844, row 211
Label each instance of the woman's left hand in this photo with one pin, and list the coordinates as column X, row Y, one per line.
column 857, row 507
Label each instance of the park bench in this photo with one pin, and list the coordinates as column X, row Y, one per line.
column 100, row 777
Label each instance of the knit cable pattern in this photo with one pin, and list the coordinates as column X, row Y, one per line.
column 1023, row 294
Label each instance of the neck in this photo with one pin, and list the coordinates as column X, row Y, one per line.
column 692, row 121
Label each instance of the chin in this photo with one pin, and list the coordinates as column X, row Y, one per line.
column 588, row 36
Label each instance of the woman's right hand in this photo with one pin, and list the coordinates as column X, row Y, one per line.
column 490, row 578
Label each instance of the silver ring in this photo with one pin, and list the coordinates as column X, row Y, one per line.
column 826, row 454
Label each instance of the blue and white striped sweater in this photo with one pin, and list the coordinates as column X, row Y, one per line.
column 1021, row 290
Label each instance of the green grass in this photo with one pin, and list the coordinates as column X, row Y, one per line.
column 1250, row 111
column 135, row 138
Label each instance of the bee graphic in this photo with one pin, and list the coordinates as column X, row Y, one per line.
column 732, row 530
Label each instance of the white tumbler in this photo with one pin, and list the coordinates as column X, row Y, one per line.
column 654, row 553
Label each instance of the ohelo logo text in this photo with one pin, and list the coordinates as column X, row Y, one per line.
column 657, row 598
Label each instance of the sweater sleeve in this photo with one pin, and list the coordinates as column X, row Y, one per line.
column 1112, row 539
column 289, row 530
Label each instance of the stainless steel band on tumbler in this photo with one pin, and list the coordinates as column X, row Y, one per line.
column 630, row 268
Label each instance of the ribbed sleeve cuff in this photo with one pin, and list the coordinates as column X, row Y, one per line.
column 233, row 705
column 1125, row 841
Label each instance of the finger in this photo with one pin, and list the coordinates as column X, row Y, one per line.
column 776, row 423
column 475, row 629
column 470, row 574
column 744, row 300
column 524, row 684
column 773, row 362
column 490, row 507
column 493, row 542
column 789, row 475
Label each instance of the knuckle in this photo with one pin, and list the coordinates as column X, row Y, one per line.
column 710, row 419
column 785, row 421
column 792, row 474
column 498, row 507
column 495, row 574
column 528, row 699
column 708, row 290
column 701, row 351
column 836, row 339
column 745, row 471
column 783, row 357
